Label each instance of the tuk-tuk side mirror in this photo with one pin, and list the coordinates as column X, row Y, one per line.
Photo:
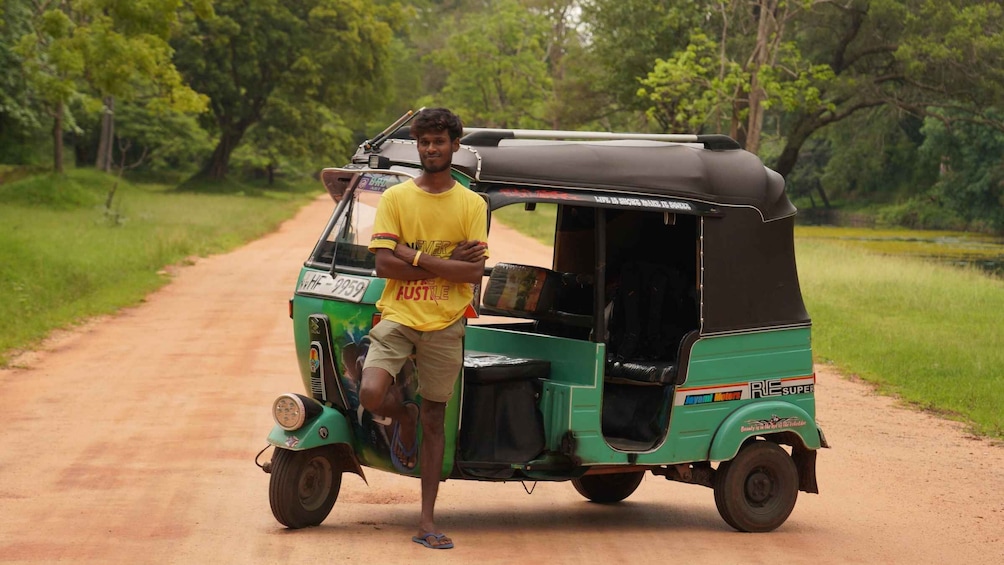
column 335, row 182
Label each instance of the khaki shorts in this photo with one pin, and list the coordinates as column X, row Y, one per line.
column 439, row 355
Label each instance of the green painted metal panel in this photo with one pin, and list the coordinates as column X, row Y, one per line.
column 572, row 361
column 728, row 365
column 762, row 419
column 766, row 354
column 309, row 436
column 571, row 398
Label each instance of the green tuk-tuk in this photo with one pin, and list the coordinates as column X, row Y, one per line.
column 668, row 333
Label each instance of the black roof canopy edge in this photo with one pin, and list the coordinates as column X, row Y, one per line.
column 645, row 167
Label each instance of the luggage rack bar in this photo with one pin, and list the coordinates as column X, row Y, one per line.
column 482, row 137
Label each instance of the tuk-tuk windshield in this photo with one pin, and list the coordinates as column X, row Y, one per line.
column 348, row 239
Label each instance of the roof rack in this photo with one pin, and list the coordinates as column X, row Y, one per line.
column 490, row 137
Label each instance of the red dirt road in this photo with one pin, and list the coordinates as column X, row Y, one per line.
column 131, row 439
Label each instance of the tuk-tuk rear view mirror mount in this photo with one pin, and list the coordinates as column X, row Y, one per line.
column 378, row 162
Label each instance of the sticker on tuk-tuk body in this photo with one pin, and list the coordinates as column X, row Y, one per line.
column 775, row 422
column 745, row 391
column 342, row 287
column 374, row 182
column 511, row 194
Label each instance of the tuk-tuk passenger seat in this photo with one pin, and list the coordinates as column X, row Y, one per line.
column 641, row 372
column 645, row 326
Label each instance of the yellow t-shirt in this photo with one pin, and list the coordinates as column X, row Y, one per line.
column 433, row 224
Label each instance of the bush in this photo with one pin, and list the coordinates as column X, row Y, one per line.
column 52, row 191
column 919, row 213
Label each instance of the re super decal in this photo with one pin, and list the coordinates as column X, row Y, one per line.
column 744, row 391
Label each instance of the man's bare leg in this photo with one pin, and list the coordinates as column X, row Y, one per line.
column 431, row 460
column 377, row 395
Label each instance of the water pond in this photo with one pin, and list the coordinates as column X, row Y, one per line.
column 962, row 249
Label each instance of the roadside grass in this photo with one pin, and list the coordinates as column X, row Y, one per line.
column 929, row 333
column 538, row 224
column 65, row 257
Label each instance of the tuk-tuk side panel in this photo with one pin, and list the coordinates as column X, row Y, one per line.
column 573, row 362
column 764, row 354
column 729, row 373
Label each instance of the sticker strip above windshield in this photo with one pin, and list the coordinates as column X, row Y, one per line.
column 511, row 195
column 375, row 182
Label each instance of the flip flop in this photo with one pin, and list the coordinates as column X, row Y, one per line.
column 424, row 540
column 406, row 452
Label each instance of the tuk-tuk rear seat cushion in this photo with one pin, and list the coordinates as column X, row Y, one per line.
column 500, row 419
column 489, row 368
column 642, row 372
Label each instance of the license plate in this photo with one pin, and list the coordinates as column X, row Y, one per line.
column 342, row 287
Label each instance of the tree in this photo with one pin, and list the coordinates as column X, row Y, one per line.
column 971, row 155
column 625, row 38
column 127, row 56
column 115, row 47
column 496, row 68
column 19, row 116
column 330, row 52
column 735, row 75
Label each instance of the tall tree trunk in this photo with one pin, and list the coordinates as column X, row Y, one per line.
column 104, row 158
column 761, row 52
column 219, row 165
column 57, row 139
column 803, row 128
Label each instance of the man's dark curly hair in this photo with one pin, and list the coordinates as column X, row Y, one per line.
column 437, row 120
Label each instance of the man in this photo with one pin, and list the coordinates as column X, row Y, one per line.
column 428, row 237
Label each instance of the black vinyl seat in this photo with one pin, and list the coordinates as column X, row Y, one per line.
column 641, row 372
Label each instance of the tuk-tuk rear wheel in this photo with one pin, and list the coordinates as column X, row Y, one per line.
column 609, row 488
column 756, row 491
column 303, row 486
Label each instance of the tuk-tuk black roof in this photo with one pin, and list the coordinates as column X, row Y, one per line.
column 730, row 177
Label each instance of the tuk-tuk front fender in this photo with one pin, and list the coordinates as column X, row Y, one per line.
column 763, row 419
column 329, row 428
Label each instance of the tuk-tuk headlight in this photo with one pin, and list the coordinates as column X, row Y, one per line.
column 291, row 411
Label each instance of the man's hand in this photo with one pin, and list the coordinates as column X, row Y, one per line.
column 404, row 253
column 468, row 251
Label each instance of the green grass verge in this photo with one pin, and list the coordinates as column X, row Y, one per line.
column 64, row 257
column 928, row 333
column 538, row 224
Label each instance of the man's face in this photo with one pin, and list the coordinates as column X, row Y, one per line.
column 436, row 150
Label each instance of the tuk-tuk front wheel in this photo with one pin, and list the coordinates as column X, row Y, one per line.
column 609, row 488
column 756, row 491
column 303, row 486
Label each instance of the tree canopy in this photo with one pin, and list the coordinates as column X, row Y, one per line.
column 850, row 100
column 290, row 62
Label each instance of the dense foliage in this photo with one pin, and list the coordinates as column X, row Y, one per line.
column 857, row 102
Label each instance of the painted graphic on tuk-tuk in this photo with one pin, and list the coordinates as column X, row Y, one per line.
column 380, row 435
column 377, row 435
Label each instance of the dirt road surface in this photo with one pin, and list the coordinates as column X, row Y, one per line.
column 131, row 439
